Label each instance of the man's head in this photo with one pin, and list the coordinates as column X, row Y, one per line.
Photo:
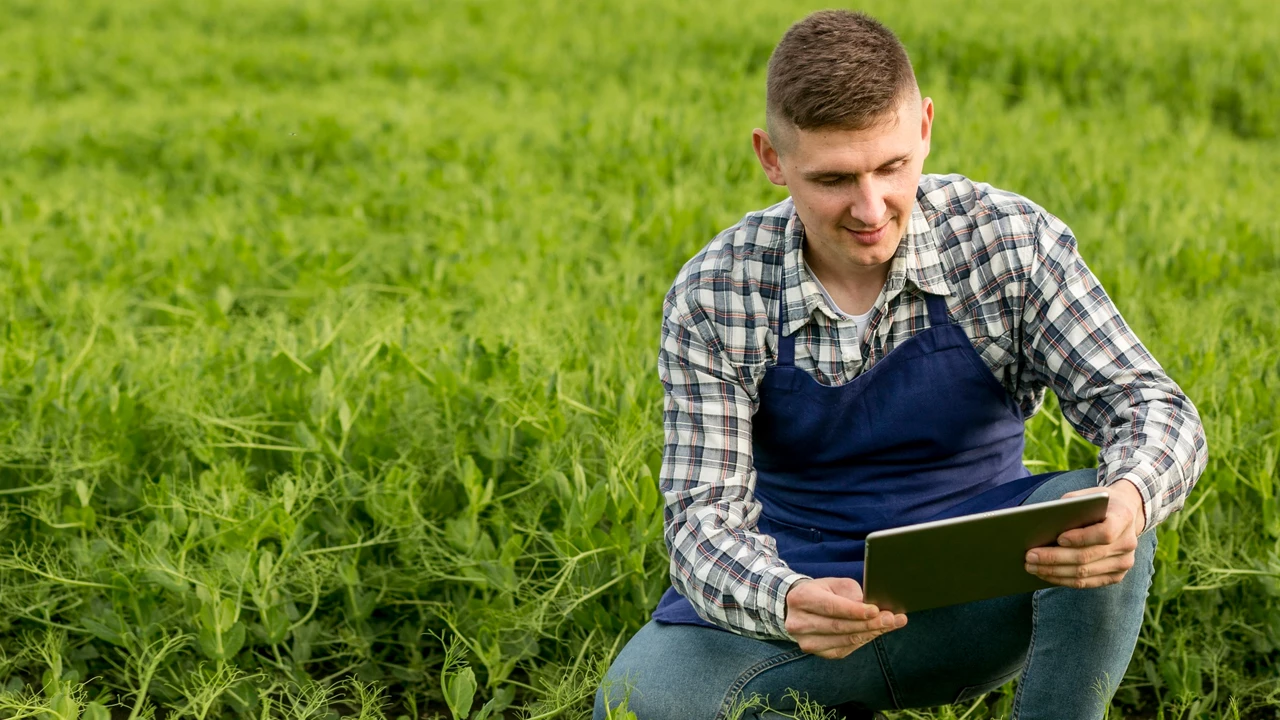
column 847, row 133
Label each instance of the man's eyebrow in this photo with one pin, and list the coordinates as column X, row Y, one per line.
column 816, row 174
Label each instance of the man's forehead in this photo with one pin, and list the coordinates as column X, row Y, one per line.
column 850, row 151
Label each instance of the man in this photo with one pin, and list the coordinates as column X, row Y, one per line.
column 863, row 355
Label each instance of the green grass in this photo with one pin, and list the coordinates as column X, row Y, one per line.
column 329, row 329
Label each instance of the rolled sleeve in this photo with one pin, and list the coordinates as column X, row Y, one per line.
column 731, row 574
column 1110, row 388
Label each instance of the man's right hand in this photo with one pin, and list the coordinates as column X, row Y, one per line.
column 827, row 617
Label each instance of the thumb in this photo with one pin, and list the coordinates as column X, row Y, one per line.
column 1085, row 491
column 846, row 588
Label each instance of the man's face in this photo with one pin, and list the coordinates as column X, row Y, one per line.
column 853, row 189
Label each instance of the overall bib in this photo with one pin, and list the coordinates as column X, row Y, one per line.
column 925, row 434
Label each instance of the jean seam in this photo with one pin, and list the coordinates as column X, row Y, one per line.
column 960, row 696
column 750, row 674
column 1031, row 649
column 882, row 656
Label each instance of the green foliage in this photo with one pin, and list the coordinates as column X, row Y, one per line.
column 327, row 330
column 458, row 683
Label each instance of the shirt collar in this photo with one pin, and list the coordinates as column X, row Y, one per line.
column 917, row 262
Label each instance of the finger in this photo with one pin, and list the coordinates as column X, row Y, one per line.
column 1103, row 533
column 803, row 623
column 836, row 654
column 822, row 601
column 809, row 624
column 834, row 606
column 830, row 645
column 818, row 644
column 1106, row 566
column 1087, row 583
column 801, row 620
column 845, row 587
column 1106, row 532
column 1074, row 556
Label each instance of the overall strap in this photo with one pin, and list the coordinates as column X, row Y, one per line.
column 937, row 310
column 786, row 345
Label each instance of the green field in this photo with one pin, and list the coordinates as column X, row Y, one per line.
column 328, row 330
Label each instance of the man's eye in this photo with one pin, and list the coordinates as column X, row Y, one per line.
column 890, row 169
column 831, row 182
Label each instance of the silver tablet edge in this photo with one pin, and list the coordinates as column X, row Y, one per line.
column 1078, row 500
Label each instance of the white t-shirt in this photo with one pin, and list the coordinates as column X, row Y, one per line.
column 859, row 321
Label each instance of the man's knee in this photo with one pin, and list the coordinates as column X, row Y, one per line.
column 1063, row 483
column 1083, row 479
column 639, row 681
column 1131, row 592
column 677, row 672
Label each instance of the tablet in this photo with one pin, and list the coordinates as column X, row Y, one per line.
column 971, row 557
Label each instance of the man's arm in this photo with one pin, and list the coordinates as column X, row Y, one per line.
column 729, row 572
column 1109, row 386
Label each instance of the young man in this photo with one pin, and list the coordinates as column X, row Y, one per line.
column 864, row 355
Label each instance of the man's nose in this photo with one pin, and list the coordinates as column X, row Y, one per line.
column 867, row 205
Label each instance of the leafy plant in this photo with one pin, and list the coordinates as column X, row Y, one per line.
column 335, row 338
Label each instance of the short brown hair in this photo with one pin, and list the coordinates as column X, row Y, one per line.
column 836, row 68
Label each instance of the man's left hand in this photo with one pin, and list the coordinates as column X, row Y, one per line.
column 1099, row 554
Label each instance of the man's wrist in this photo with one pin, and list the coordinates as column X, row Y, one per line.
column 1131, row 495
column 792, row 586
column 782, row 579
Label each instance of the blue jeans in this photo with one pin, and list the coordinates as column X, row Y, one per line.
column 1069, row 647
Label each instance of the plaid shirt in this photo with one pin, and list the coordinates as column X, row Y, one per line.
column 1014, row 282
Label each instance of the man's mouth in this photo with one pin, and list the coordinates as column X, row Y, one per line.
column 869, row 237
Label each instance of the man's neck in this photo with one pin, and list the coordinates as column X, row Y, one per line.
column 854, row 288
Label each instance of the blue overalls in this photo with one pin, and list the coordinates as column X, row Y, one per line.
column 927, row 433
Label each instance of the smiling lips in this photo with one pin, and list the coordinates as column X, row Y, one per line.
column 869, row 237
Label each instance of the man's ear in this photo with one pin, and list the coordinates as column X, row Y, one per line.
column 768, row 156
column 926, row 124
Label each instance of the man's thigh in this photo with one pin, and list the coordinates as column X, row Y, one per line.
column 1059, row 485
column 686, row 672
column 940, row 657
column 951, row 654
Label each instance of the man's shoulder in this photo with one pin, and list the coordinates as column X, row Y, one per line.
column 959, row 202
column 741, row 254
column 980, row 226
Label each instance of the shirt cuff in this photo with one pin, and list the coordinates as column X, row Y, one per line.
column 1146, row 483
column 771, row 599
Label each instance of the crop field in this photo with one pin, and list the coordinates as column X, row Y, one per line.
column 328, row 330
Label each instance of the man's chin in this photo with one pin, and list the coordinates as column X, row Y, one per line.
column 855, row 256
column 871, row 257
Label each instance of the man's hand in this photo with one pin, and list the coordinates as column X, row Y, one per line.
column 1097, row 555
column 827, row 617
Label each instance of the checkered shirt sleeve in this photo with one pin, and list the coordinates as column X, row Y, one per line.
column 1110, row 388
column 731, row 574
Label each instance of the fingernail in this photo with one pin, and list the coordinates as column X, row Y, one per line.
column 1033, row 557
column 1032, row 568
column 1064, row 542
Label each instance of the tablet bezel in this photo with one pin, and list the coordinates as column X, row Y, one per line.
column 971, row 557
